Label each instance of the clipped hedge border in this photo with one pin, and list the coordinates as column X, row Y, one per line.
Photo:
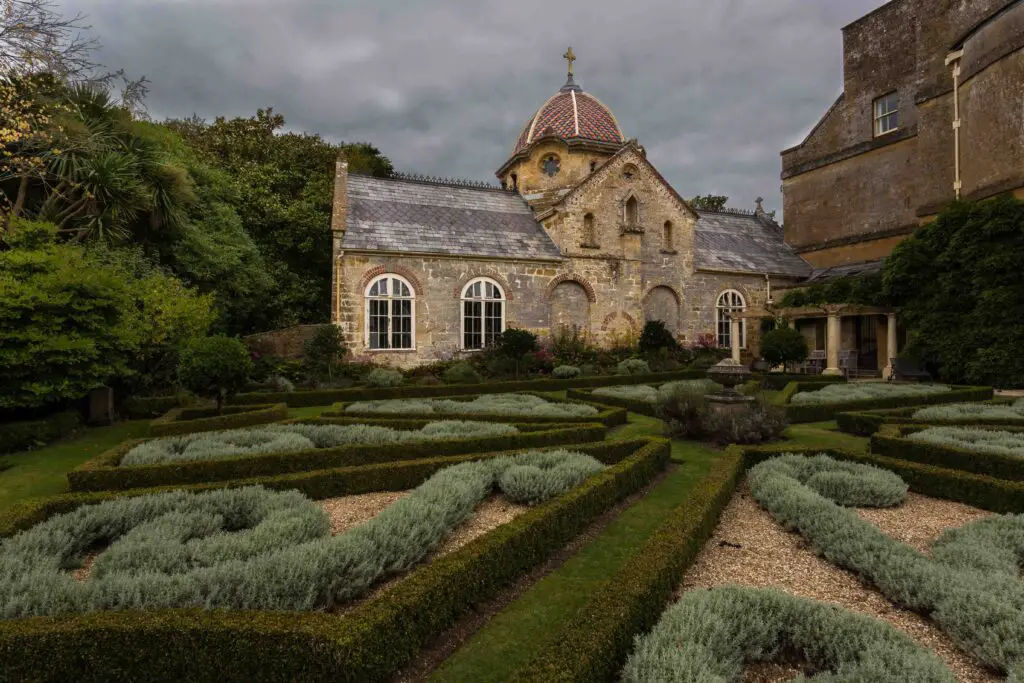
column 890, row 442
column 631, row 405
column 103, row 472
column 778, row 382
column 328, row 396
column 20, row 436
column 191, row 420
column 823, row 413
column 867, row 422
column 609, row 416
column 595, row 643
column 370, row 643
column 398, row 475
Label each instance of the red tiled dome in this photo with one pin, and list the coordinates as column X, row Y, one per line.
column 572, row 114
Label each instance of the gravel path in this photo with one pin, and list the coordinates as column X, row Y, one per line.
column 749, row 548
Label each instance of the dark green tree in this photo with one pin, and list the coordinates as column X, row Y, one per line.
column 656, row 336
column 709, row 202
column 784, row 345
column 958, row 281
column 515, row 344
column 215, row 367
column 323, row 352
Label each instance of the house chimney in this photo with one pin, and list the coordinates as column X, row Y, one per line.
column 339, row 208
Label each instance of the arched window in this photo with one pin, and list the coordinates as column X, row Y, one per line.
column 666, row 238
column 589, row 234
column 390, row 313
column 483, row 313
column 729, row 303
column 632, row 212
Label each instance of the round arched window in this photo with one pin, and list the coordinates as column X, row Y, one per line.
column 483, row 313
column 390, row 313
column 729, row 303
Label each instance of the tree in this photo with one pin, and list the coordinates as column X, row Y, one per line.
column 709, row 202
column 656, row 336
column 324, row 351
column 215, row 367
column 35, row 38
column 515, row 344
column 784, row 345
column 67, row 322
column 958, row 283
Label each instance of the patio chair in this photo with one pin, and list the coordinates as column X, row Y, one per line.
column 848, row 362
column 905, row 369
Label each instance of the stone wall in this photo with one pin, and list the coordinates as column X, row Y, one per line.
column 283, row 343
column 849, row 196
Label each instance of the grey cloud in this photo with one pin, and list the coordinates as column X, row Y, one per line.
column 713, row 90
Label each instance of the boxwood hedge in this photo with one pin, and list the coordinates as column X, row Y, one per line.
column 18, row 436
column 104, row 472
column 779, row 381
column 824, row 412
column 192, row 420
column 890, row 441
column 369, row 643
column 867, row 422
column 328, row 396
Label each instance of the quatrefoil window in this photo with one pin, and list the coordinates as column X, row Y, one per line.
column 550, row 165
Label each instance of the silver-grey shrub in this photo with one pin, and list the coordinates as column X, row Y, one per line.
column 566, row 372
column 710, row 635
column 650, row 394
column 975, row 440
column 970, row 586
column 980, row 412
column 290, row 438
column 863, row 391
column 633, row 366
column 384, row 377
column 251, row 548
column 511, row 405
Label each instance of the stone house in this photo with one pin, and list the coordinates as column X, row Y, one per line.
column 583, row 231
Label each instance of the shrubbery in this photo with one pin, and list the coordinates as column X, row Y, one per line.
column 655, row 336
column 784, row 345
column 462, row 373
column 384, row 377
column 649, row 394
column 566, row 372
column 290, row 438
column 865, row 391
column 491, row 404
column 169, row 549
column 975, row 440
column 688, row 415
column 323, row 353
column 711, row 635
column 633, row 366
column 981, row 412
column 215, row 367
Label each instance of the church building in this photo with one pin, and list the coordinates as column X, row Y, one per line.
column 583, row 231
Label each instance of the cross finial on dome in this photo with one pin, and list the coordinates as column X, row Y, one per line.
column 570, row 57
column 570, row 84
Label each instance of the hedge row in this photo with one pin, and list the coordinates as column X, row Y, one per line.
column 154, row 406
column 328, row 396
column 822, row 413
column 20, row 436
column 609, row 416
column 987, row 493
column 192, row 420
column 633, row 406
column 595, row 643
column 867, row 422
column 317, row 484
column 369, row 643
column 778, row 382
column 103, row 472
column 890, row 442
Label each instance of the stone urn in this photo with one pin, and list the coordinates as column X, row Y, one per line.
column 729, row 373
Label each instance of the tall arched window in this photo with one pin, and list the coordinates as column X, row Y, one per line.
column 483, row 313
column 390, row 313
column 632, row 212
column 666, row 237
column 729, row 303
column 589, row 234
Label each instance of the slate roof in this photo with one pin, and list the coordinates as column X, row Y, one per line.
column 821, row 275
column 741, row 242
column 407, row 216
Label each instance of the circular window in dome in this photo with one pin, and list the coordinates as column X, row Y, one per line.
column 550, row 165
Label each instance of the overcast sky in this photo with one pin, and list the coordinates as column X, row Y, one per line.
column 714, row 89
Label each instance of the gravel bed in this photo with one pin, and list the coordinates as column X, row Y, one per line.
column 749, row 548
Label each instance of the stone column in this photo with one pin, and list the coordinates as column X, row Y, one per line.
column 734, row 337
column 832, row 342
column 891, row 344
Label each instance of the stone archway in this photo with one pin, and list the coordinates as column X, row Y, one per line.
column 569, row 306
column 662, row 303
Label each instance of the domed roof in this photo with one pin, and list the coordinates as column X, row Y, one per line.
column 571, row 114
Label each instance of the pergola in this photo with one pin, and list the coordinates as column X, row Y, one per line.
column 834, row 313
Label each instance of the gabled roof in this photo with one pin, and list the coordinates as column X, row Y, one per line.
column 744, row 243
column 862, row 269
column 392, row 215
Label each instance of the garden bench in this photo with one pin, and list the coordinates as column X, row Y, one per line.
column 908, row 369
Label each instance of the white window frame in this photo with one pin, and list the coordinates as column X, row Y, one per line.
column 882, row 112
column 463, row 298
column 730, row 306
column 389, row 298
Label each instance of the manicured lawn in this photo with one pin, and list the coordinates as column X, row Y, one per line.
column 522, row 629
column 42, row 472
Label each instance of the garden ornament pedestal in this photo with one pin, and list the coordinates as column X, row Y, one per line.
column 729, row 373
